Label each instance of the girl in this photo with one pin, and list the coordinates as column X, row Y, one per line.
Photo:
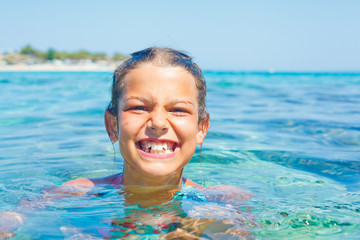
column 157, row 115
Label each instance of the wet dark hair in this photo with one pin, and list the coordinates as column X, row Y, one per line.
column 162, row 57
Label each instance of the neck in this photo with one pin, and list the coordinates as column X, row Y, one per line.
column 131, row 177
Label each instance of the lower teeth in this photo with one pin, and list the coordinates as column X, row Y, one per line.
column 159, row 152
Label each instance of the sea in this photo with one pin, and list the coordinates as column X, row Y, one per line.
column 292, row 140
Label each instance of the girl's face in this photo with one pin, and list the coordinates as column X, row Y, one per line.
column 158, row 120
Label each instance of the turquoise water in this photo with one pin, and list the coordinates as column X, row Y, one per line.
column 292, row 139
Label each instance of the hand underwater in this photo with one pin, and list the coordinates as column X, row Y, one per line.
column 9, row 222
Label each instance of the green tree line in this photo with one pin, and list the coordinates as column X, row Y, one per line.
column 52, row 54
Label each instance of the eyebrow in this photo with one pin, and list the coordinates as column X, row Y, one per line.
column 182, row 101
column 137, row 98
column 142, row 99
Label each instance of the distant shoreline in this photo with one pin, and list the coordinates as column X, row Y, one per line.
column 58, row 68
column 110, row 67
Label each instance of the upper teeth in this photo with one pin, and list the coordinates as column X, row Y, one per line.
column 150, row 146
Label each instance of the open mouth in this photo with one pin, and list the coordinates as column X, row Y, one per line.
column 157, row 147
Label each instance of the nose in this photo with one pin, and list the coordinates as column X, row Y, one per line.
column 158, row 123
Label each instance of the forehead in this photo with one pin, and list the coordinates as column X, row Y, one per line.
column 166, row 81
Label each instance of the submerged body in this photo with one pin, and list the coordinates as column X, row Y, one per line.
column 185, row 211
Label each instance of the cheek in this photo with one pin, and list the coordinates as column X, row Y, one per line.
column 128, row 121
column 128, row 127
column 187, row 128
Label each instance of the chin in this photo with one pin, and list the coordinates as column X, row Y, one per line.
column 160, row 171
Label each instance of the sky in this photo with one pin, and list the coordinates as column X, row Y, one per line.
column 234, row 35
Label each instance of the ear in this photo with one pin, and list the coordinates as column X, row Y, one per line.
column 111, row 126
column 202, row 130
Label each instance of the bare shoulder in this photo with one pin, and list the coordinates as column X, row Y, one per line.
column 81, row 186
column 188, row 182
column 80, row 182
column 91, row 182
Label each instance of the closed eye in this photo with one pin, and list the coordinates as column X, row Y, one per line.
column 179, row 111
column 137, row 108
